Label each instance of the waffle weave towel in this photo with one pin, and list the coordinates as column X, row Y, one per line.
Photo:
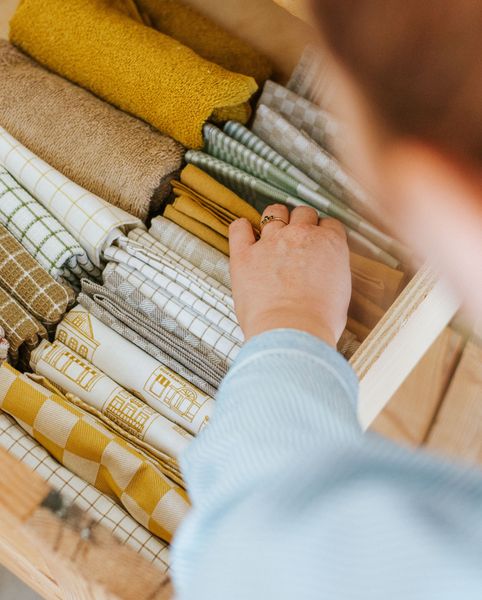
column 135, row 67
column 108, row 152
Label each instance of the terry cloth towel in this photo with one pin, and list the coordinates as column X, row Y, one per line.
column 3, row 346
column 92, row 451
column 206, row 258
column 163, row 390
column 323, row 127
column 97, row 310
column 93, row 222
column 212, row 336
column 99, row 507
column 108, row 152
column 26, row 281
column 186, row 25
column 42, row 235
column 203, row 232
column 131, row 307
column 74, row 374
column 135, row 67
column 22, row 331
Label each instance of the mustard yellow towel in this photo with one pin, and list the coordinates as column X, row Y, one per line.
column 198, row 229
column 192, row 209
column 99, row 46
column 88, row 448
column 188, row 26
column 206, row 186
column 225, row 216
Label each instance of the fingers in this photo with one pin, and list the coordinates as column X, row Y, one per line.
column 279, row 211
column 241, row 236
column 333, row 225
column 304, row 215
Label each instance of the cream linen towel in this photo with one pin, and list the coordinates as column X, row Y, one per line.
column 75, row 375
column 98, row 506
column 94, row 223
column 135, row 370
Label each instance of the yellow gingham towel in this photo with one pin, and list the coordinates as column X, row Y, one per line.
column 86, row 447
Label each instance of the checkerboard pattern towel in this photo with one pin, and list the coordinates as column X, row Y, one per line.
column 103, row 459
column 93, row 222
column 98, row 506
column 42, row 235
column 201, row 255
column 22, row 331
column 26, row 281
column 76, row 375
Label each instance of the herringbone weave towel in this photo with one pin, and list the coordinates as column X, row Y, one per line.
column 92, row 451
column 41, row 234
column 27, row 282
column 97, row 505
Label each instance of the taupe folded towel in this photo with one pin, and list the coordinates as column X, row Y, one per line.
column 112, row 154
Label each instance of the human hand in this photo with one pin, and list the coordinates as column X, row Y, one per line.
column 296, row 276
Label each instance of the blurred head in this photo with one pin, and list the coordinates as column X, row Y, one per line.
column 411, row 75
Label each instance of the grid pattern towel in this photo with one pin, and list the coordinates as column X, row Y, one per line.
column 93, row 452
column 41, row 234
column 108, row 152
column 158, row 386
column 95, row 300
column 93, row 222
column 26, row 281
column 98, row 506
column 75, row 375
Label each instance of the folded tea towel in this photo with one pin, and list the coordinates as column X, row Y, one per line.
column 143, row 246
column 25, row 280
column 135, row 67
column 203, row 232
column 213, row 336
column 199, row 253
column 97, row 309
column 172, row 290
column 92, row 451
column 74, row 374
column 22, row 331
column 204, row 216
column 3, row 346
column 93, row 222
column 136, row 310
column 323, row 127
column 99, row 507
column 163, row 390
column 42, row 235
column 186, row 25
column 108, row 152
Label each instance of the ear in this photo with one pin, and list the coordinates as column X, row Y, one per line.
column 435, row 204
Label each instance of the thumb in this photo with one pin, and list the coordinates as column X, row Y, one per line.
column 241, row 236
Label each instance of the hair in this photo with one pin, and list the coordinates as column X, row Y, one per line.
column 417, row 62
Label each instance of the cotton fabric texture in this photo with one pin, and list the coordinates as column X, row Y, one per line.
column 90, row 220
column 93, row 452
column 186, row 25
column 108, row 152
column 158, row 386
column 135, row 309
column 25, row 280
column 3, row 346
column 41, row 234
column 95, row 305
column 205, row 233
column 99, row 507
column 140, row 70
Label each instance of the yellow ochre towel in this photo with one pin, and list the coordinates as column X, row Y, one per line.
column 203, row 232
column 101, row 46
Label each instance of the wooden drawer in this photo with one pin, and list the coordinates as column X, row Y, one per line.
column 57, row 553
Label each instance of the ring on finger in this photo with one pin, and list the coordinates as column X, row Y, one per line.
column 269, row 218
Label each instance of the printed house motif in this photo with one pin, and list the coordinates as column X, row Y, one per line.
column 128, row 412
column 73, row 367
column 78, row 334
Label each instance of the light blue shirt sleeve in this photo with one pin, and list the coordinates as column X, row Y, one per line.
column 292, row 501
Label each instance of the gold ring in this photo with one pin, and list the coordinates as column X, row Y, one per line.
column 269, row 218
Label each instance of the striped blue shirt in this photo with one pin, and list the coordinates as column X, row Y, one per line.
column 292, row 501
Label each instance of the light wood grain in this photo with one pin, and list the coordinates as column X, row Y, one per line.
column 7, row 8
column 409, row 414
column 457, row 430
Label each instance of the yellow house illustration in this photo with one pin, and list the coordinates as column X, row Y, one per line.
column 77, row 333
